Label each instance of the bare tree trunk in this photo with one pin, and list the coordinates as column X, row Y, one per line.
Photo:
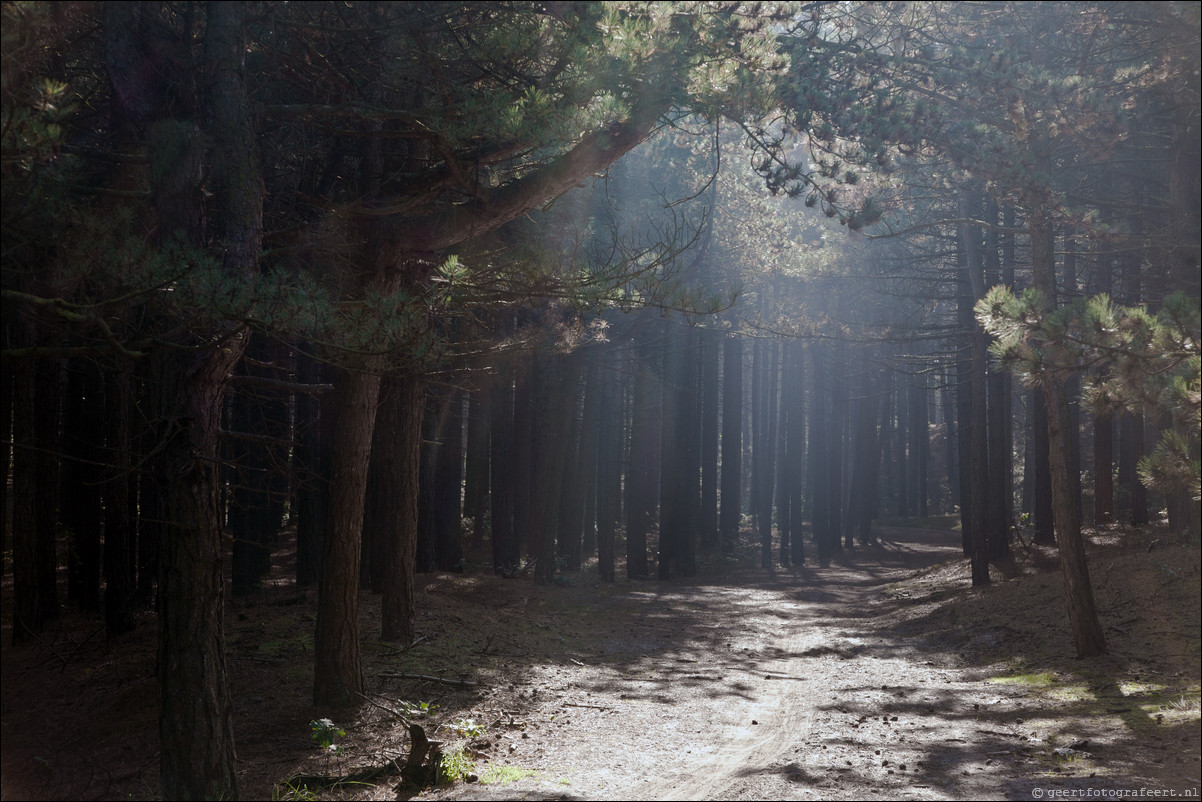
column 732, row 446
column 1087, row 631
column 338, row 674
column 399, row 423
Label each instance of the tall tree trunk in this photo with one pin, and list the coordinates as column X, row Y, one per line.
column 764, row 453
column 1103, row 423
column 836, row 448
column 338, row 674
column 1087, row 631
column 821, row 467
column 83, row 446
column 315, row 416
column 710, row 387
column 197, row 754
column 643, row 472
column 562, row 379
column 1042, row 472
column 590, row 445
column 506, row 551
column 398, row 451
column 34, row 480
column 118, row 517
column 795, row 449
column 732, row 443
column 920, row 444
column 609, row 465
column 866, row 458
column 448, row 486
column 475, row 478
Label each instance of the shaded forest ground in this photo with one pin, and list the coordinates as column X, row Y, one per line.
column 883, row 676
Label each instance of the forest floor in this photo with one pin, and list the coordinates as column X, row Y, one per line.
column 882, row 676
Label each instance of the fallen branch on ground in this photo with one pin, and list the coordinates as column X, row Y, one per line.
column 462, row 683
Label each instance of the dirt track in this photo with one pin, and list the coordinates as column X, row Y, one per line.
column 882, row 676
column 814, row 683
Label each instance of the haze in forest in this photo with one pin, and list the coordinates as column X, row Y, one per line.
column 536, row 289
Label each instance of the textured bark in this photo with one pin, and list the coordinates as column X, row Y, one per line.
column 197, row 758
column 1088, row 636
column 338, row 674
column 399, row 438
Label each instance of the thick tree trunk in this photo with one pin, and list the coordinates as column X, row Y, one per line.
column 197, row 758
column 338, row 674
column 398, row 451
column 195, row 712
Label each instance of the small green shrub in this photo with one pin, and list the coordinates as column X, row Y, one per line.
column 456, row 765
column 324, row 732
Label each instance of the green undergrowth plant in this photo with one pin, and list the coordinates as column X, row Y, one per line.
column 324, row 732
column 456, row 765
column 416, row 710
column 501, row 775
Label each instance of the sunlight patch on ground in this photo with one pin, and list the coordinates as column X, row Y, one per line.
column 1139, row 688
column 1041, row 680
